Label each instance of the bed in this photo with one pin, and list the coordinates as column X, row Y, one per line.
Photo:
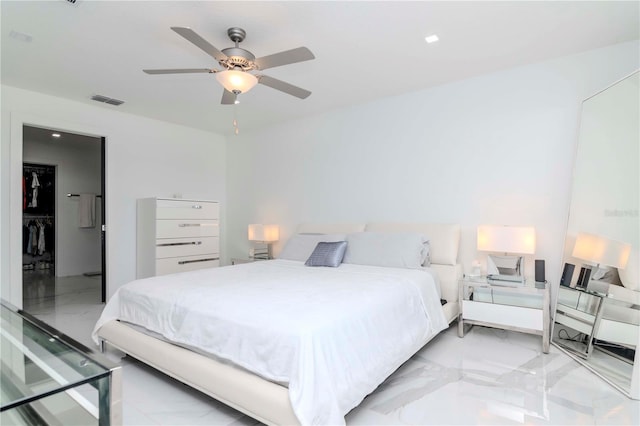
column 264, row 389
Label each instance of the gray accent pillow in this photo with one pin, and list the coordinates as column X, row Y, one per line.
column 327, row 254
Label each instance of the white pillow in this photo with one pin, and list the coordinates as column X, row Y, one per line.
column 392, row 249
column 300, row 246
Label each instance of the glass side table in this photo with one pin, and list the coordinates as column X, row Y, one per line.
column 524, row 308
column 48, row 378
column 578, row 312
column 620, row 321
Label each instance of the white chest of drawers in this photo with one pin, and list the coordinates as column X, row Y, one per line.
column 176, row 235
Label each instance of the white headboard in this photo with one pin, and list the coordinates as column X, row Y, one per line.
column 330, row 228
column 444, row 240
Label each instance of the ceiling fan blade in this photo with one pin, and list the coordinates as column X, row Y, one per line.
column 179, row 71
column 228, row 98
column 283, row 87
column 284, row 58
column 203, row 44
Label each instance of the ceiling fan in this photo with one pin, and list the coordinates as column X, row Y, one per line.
column 241, row 69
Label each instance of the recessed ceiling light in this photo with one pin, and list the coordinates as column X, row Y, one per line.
column 432, row 38
column 55, row 135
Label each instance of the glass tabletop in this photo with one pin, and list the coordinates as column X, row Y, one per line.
column 36, row 362
column 526, row 286
column 529, row 294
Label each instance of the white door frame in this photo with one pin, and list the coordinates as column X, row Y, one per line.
column 18, row 120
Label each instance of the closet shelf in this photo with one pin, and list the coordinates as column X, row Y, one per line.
column 38, row 169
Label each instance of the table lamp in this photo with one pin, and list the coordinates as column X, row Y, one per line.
column 513, row 242
column 262, row 237
column 600, row 251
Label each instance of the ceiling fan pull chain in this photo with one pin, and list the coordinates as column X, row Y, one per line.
column 235, row 120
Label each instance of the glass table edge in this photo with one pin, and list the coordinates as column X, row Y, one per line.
column 94, row 354
column 96, row 357
column 529, row 285
column 36, row 397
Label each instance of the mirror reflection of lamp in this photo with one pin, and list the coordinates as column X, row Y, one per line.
column 600, row 251
column 512, row 241
column 262, row 236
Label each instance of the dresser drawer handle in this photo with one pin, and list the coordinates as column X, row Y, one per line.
column 196, row 206
column 208, row 259
column 184, row 225
column 190, row 243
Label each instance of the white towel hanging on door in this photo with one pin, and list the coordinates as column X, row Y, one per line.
column 87, row 211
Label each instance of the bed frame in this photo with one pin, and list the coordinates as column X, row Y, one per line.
column 248, row 393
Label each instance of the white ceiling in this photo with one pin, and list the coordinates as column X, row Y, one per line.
column 364, row 50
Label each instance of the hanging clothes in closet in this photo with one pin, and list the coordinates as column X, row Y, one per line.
column 35, row 184
column 38, row 229
column 38, row 189
column 34, row 236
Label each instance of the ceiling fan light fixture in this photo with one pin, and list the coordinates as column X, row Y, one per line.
column 237, row 63
column 236, row 81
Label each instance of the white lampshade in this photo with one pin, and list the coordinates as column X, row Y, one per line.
column 264, row 233
column 507, row 239
column 601, row 251
column 239, row 81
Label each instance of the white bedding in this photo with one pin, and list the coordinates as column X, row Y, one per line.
column 331, row 334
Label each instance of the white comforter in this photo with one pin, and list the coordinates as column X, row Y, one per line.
column 331, row 334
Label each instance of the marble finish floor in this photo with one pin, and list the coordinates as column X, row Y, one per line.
column 489, row 377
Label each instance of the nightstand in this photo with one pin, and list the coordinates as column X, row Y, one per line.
column 523, row 308
column 578, row 310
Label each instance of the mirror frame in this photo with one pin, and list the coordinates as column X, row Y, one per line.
column 634, row 389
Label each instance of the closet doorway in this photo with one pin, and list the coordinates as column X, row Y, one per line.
column 63, row 249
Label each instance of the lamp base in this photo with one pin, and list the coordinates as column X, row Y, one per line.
column 507, row 270
column 261, row 251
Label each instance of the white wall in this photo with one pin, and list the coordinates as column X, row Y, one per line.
column 495, row 149
column 77, row 250
column 144, row 158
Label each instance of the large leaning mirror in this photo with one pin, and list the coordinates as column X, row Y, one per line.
column 597, row 319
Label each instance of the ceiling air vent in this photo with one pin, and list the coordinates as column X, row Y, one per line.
column 107, row 100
